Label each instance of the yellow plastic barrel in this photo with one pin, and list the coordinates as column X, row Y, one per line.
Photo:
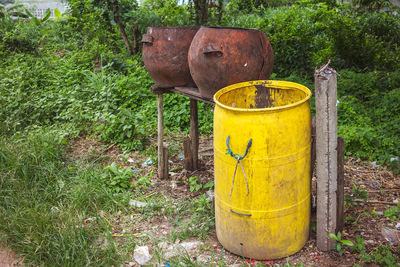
column 262, row 154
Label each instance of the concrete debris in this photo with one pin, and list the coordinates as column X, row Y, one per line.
column 141, row 255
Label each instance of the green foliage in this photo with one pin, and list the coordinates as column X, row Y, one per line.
column 380, row 255
column 359, row 194
column 45, row 201
column 393, row 213
column 195, row 184
column 116, row 178
column 306, row 34
column 340, row 243
column 368, row 114
column 170, row 13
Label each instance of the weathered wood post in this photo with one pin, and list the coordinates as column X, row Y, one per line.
column 326, row 155
column 162, row 151
column 340, row 184
column 194, row 133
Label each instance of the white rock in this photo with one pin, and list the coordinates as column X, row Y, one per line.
column 130, row 160
column 137, row 204
column 141, row 255
column 173, row 184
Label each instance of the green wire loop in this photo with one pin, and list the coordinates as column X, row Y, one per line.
column 237, row 156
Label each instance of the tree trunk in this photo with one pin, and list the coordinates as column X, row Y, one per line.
column 201, row 11
column 220, row 10
column 135, row 36
column 121, row 27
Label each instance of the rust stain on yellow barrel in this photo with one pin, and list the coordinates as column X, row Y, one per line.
column 267, row 216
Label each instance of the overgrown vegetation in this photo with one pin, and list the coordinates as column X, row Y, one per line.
column 75, row 74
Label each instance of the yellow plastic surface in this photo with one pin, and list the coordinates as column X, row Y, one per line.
column 272, row 221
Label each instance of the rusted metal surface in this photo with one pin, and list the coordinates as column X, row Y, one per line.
column 219, row 57
column 165, row 55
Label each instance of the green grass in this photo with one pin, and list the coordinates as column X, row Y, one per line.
column 44, row 202
column 46, row 196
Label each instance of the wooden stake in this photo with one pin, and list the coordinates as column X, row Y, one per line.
column 340, row 184
column 313, row 148
column 187, row 154
column 165, row 163
column 194, row 133
column 326, row 155
column 161, row 157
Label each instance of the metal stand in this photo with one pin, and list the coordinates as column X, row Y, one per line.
column 191, row 144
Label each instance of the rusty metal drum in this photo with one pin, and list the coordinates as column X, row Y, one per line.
column 165, row 55
column 219, row 57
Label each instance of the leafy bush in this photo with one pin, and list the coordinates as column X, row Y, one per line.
column 368, row 114
column 307, row 34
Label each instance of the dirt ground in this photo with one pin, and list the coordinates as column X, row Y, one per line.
column 9, row 258
column 364, row 217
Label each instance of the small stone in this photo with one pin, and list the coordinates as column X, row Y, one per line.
column 398, row 226
column 141, row 255
column 396, row 201
column 394, row 159
column 137, row 204
column 164, row 232
column 370, row 241
column 173, row 184
column 177, row 241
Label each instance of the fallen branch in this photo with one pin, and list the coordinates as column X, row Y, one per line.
column 384, row 190
column 376, row 202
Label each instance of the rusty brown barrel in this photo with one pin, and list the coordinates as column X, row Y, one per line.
column 165, row 55
column 219, row 57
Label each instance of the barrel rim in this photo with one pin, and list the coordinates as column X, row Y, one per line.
column 174, row 27
column 277, row 84
column 230, row 28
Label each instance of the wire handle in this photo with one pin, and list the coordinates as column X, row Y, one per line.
column 238, row 158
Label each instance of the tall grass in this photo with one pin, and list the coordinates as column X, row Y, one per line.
column 44, row 201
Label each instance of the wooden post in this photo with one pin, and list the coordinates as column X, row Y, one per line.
column 340, row 184
column 187, row 154
column 326, row 155
column 194, row 133
column 313, row 148
column 162, row 160
column 165, row 163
